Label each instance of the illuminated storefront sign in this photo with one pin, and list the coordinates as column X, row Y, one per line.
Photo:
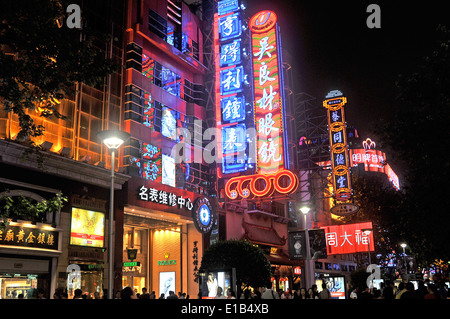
column 335, row 102
column 267, row 92
column 25, row 236
column 203, row 215
column 250, row 186
column 164, row 198
column 348, row 238
column 231, row 120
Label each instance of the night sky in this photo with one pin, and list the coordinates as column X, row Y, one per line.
column 331, row 47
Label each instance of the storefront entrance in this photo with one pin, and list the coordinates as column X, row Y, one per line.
column 23, row 278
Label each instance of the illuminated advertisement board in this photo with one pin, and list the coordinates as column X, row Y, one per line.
column 348, row 238
column 231, row 119
column 87, row 228
column 268, row 106
column 334, row 103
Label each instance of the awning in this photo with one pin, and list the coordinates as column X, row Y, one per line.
column 263, row 235
column 281, row 258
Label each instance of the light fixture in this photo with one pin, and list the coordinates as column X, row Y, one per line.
column 305, row 210
column 403, row 245
column 367, row 231
column 46, row 146
column 113, row 139
column 65, row 151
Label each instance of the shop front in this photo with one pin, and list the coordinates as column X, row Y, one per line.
column 28, row 257
column 161, row 243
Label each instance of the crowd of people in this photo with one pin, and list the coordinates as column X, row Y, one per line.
column 425, row 290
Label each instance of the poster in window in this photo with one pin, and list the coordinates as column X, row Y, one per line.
column 166, row 282
column 87, row 228
column 169, row 123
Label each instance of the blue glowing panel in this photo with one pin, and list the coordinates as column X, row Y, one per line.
column 231, row 80
column 227, row 6
column 234, row 139
column 230, row 53
column 230, row 27
column 234, row 163
column 233, row 109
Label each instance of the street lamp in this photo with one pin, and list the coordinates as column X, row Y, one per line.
column 113, row 139
column 403, row 245
column 308, row 267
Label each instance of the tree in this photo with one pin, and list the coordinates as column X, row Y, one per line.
column 41, row 59
column 252, row 266
column 379, row 203
column 419, row 137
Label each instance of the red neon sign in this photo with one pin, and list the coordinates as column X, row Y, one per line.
column 267, row 93
column 250, row 186
column 348, row 238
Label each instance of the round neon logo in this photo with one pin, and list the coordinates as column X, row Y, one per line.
column 263, row 21
column 203, row 215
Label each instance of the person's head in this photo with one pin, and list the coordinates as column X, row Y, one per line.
column 401, row 286
column 144, row 290
column 127, row 293
column 219, row 291
column 324, row 286
column 409, row 286
column 77, row 293
column 432, row 288
column 303, row 291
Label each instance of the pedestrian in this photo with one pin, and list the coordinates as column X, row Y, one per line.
column 145, row 294
column 432, row 292
column 219, row 294
column 422, row 290
column 303, row 294
column 315, row 291
column 410, row 292
column 366, row 294
column 162, row 296
column 442, row 289
column 128, row 293
column 230, row 294
column 78, row 294
column 153, row 295
column 388, row 291
column 269, row 293
column 311, row 294
column 401, row 290
column 325, row 293
column 172, row 295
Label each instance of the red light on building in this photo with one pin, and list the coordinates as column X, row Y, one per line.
column 267, row 92
column 348, row 238
column 297, row 271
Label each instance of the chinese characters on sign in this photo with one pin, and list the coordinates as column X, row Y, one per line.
column 29, row 237
column 230, row 94
column 335, row 102
column 164, row 198
column 348, row 238
column 267, row 92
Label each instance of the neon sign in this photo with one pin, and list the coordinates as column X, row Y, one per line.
column 348, row 238
column 267, row 92
column 259, row 185
column 231, row 119
column 335, row 102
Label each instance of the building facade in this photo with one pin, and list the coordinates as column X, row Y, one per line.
column 164, row 106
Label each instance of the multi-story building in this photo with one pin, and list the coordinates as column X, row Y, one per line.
column 164, row 106
column 72, row 163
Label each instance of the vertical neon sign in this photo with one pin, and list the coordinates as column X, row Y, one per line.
column 335, row 102
column 267, row 93
column 232, row 146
